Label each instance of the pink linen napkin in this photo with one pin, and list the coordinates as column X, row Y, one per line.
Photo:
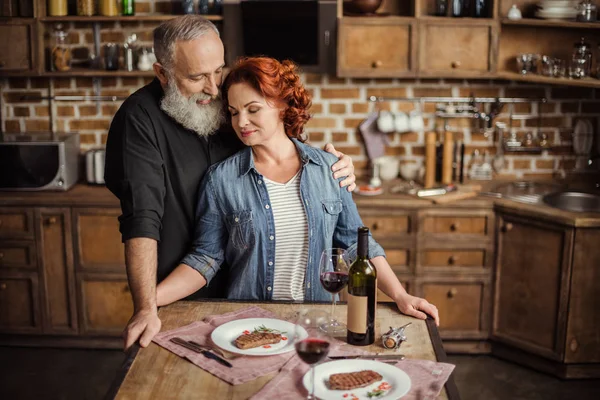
column 427, row 380
column 244, row 368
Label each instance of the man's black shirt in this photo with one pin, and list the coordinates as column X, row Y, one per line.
column 154, row 166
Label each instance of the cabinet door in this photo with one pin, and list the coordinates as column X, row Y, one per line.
column 56, row 259
column 15, row 46
column 19, row 310
column 464, row 306
column 376, row 47
column 448, row 49
column 531, row 284
column 106, row 304
column 98, row 244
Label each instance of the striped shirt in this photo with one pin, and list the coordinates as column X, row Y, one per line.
column 291, row 233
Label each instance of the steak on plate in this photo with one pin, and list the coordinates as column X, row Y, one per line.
column 353, row 380
column 252, row 340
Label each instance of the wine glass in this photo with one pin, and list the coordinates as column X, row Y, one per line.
column 333, row 273
column 312, row 348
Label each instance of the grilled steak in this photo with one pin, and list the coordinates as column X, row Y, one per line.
column 353, row 380
column 256, row 340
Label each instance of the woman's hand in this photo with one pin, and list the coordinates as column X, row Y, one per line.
column 417, row 307
column 344, row 167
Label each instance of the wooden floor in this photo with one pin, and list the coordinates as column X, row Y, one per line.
column 56, row 374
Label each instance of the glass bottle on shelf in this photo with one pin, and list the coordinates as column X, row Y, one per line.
column 441, row 8
column 203, row 7
column 461, row 8
column 480, row 8
column 60, row 53
column 128, row 7
column 86, row 8
column 57, row 8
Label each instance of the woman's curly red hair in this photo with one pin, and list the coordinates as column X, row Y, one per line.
column 275, row 81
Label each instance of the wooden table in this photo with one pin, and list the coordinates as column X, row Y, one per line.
column 156, row 373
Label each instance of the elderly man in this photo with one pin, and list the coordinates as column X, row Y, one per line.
column 160, row 145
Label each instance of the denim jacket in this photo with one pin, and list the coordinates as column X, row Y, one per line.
column 234, row 222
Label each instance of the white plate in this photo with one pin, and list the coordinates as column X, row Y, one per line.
column 225, row 335
column 398, row 380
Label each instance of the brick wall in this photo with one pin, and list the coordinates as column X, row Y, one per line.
column 339, row 105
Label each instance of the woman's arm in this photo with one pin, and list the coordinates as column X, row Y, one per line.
column 391, row 286
column 203, row 261
column 180, row 283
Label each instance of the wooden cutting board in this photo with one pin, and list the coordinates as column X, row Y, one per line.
column 461, row 193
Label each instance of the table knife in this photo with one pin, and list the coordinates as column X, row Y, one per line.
column 197, row 349
column 369, row 357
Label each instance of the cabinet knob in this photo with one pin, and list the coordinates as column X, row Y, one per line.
column 452, row 292
column 126, row 289
column 2, row 64
column 573, row 346
column 377, row 64
column 507, row 227
column 51, row 220
column 1, row 256
column 375, row 226
column 455, row 64
column 454, row 227
column 452, row 260
column 2, row 286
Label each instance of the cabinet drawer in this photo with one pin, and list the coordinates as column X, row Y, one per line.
column 456, row 225
column 106, row 305
column 451, row 49
column 374, row 47
column 453, row 258
column 460, row 304
column 99, row 245
column 19, row 311
column 16, row 223
column 382, row 226
column 17, row 255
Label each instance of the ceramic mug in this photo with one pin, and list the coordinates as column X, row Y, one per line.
column 385, row 122
column 416, row 123
column 401, row 122
column 388, row 167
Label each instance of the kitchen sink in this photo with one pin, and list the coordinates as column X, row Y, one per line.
column 573, row 201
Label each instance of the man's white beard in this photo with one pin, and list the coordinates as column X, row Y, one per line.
column 204, row 119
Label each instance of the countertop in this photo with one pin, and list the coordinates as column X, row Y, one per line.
column 84, row 195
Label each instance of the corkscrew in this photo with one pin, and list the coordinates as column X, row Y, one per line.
column 393, row 338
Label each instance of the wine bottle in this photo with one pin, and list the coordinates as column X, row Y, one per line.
column 362, row 295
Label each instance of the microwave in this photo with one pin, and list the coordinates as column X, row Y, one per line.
column 299, row 30
column 39, row 162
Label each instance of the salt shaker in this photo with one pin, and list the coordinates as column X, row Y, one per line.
column 128, row 47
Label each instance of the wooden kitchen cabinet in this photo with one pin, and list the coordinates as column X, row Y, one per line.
column 106, row 304
column 546, row 300
column 19, row 303
column 16, row 223
column 54, row 244
column 376, row 47
column 17, row 45
column 449, row 49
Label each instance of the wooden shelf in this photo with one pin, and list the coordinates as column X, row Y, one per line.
column 551, row 23
column 77, row 72
column 513, row 76
column 141, row 18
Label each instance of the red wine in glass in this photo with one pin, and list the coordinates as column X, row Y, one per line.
column 312, row 350
column 334, row 282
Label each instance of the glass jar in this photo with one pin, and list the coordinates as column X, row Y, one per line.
column 587, row 11
column 60, row 53
column 86, row 8
column 582, row 58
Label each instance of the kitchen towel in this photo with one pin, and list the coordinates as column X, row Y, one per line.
column 244, row 369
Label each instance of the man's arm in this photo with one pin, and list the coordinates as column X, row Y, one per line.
column 141, row 259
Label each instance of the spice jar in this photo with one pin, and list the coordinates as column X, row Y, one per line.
column 108, row 8
column 57, row 8
column 61, row 53
column 581, row 61
column 86, row 8
column 587, row 11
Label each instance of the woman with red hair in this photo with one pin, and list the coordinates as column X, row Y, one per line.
column 272, row 208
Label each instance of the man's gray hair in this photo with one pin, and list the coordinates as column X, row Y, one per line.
column 184, row 28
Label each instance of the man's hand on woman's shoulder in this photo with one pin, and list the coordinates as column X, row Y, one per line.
column 344, row 167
